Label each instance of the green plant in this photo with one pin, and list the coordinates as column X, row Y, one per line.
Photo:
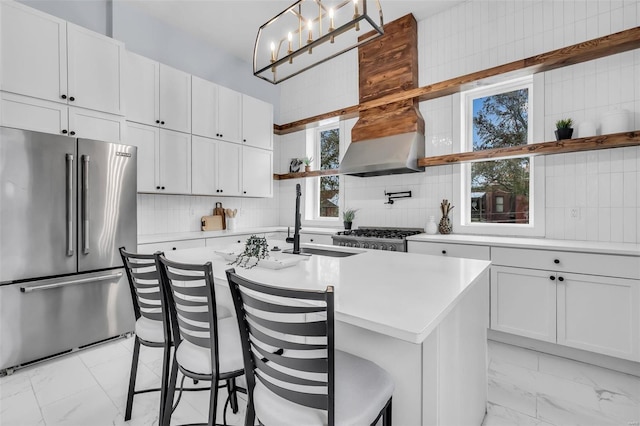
column 255, row 248
column 564, row 123
column 349, row 214
column 307, row 161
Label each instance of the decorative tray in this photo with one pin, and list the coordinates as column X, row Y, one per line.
column 277, row 261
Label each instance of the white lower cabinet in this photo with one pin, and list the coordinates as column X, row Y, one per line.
column 223, row 242
column 170, row 246
column 523, row 302
column 316, row 238
column 23, row 112
column 452, row 250
column 599, row 314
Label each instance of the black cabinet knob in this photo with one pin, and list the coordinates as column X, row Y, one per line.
column 222, row 190
column 221, row 135
column 157, row 121
column 556, row 261
column 552, row 277
column 163, row 187
column 217, row 190
column 560, row 279
column 162, row 122
column 311, row 240
column 239, row 241
column 218, row 135
column 444, row 252
column 64, row 131
column 173, row 248
column 72, row 99
column 244, row 140
column 72, row 133
column 63, row 96
column 157, row 187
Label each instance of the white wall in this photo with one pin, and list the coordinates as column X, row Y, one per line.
column 604, row 186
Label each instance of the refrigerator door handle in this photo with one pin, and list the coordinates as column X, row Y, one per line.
column 69, row 204
column 85, row 203
column 110, row 277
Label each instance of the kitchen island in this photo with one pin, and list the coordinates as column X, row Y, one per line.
column 422, row 318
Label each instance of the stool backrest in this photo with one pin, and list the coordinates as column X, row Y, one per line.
column 192, row 304
column 298, row 322
column 146, row 290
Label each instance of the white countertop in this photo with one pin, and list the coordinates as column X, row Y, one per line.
column 402, row 295
column 625, row 249
column 196, row 235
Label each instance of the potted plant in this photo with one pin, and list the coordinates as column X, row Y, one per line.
column 564, row 129
column 307, row 163
column 348, row 216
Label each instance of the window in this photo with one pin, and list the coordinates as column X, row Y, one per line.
column 497, row 193
column 328, row 152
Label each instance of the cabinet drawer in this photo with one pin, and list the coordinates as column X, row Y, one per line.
column 583, row 263
column 452, row 250
column 316, row 239
column 222, row 242
column 170, row 245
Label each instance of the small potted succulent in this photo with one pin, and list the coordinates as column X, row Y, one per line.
column 307, row 163
column 564, row 129
column 348, row 216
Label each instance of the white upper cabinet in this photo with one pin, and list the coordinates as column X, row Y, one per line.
column 47, row 58
column 217, row 111
column 257, row 123
column 229, row 168
column 141, row 86
column 94, row 66
column 216, row 167
column 175, row 99
column 257, row 172
column 147, row 139
column 157, row 95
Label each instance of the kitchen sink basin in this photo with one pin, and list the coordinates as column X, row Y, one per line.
column 307, row 251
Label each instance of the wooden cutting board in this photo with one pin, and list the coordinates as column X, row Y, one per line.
column 219, row 211
column 211, row 223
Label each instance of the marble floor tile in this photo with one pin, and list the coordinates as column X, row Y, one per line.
column 14, row 384
column 20, row 408
column 89, row 407
column 565, row 413
column 510, row 395
column 498, row 415
column 51, row 381
column 102, row 354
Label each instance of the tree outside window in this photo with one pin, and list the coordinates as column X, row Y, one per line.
column 500, row 189
column 329, row 154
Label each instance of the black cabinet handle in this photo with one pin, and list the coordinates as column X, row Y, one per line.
column 163, row 187
column 64, row 131
column 157, row 121
column 72, row 99
column 556, row 261
column 157, row 187
column 444, row 252
column 162, row 122
column 72, row 133
column 560, row 279
column 552, row 277
column 173, row 248
column 63, row 96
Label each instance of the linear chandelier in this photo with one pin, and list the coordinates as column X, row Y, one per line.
column 310, row 32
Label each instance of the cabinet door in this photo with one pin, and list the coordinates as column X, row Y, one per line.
column 257, row 123
column 204, row 113
column 23, row 112
column 94, row 64
column 204, row 156
column 175, row 162
column 229, row 115
column 229, row 168
column 523, row 302
column 33, row 52
column 88, row 124
column 257, row 172
column 147, row 139
column 599, row 314
column 452, row 250
column 142, row 86
column 175, row 99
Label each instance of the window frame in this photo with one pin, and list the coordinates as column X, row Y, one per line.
column 462, row 176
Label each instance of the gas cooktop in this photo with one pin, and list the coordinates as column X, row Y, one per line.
column 391, row 239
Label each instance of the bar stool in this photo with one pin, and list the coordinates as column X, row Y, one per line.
column 311, row 383
column 206, row 347
column 152, row 321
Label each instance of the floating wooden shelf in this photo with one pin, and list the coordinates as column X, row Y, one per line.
column 615, row 140
column 570, row 55
column 313, row 173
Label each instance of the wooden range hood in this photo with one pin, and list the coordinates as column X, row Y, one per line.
column 387, row 139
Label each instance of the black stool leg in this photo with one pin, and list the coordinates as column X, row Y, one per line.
column 132, row 378
column 164, row 381
column 233, row 394
column 213, row 402
column 171, row 389
column 386, row 420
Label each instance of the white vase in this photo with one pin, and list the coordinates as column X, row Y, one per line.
column 231, row 223
column 432, row 226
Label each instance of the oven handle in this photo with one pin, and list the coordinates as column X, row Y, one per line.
column 29, row 289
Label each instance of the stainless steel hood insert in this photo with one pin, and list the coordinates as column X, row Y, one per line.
column 388, row 155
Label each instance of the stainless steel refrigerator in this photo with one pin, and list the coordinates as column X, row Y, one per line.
column 66, row 206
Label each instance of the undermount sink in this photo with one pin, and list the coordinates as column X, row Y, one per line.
column 307, row 251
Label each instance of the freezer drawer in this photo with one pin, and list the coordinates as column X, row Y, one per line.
column 43, row 318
